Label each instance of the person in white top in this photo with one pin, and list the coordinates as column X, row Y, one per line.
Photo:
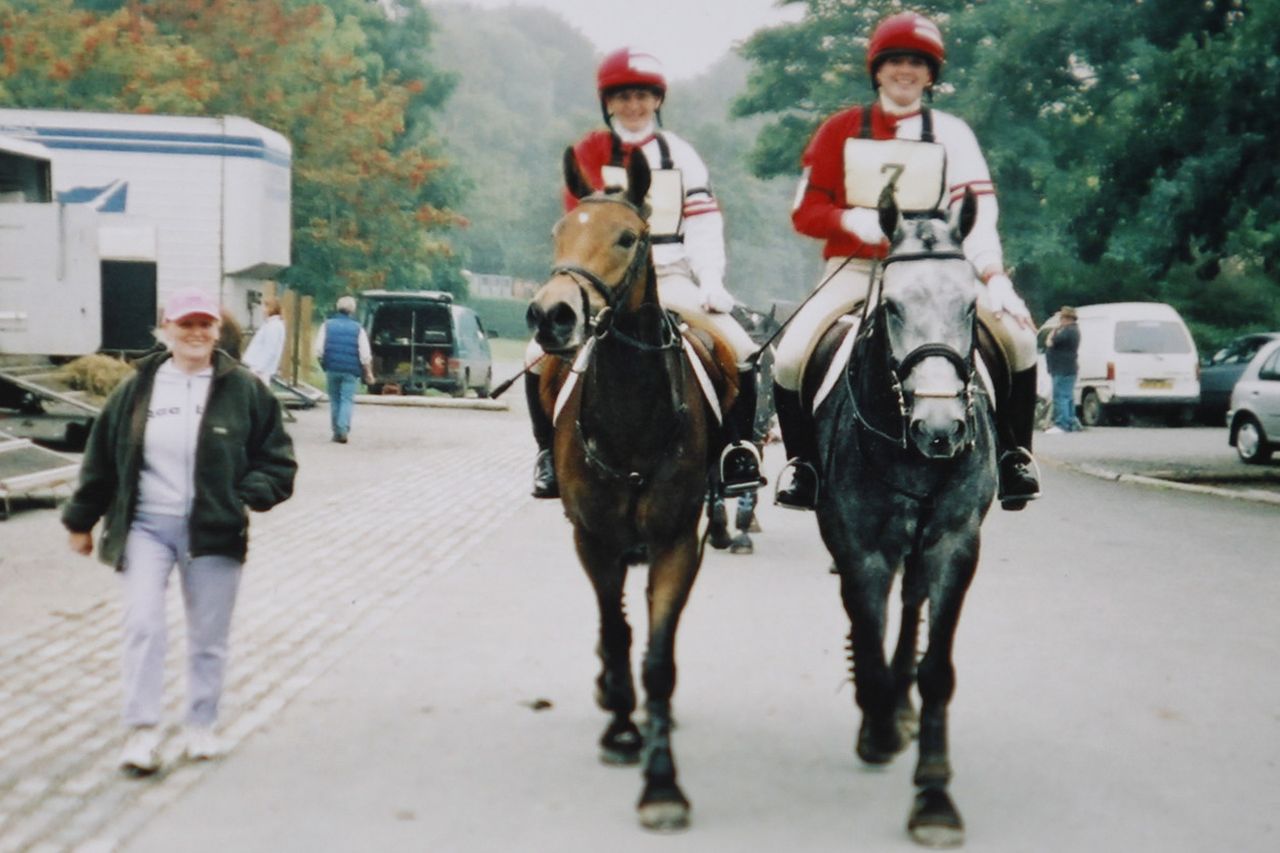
column 262, row 356
column 687, row 234
column 904, row 57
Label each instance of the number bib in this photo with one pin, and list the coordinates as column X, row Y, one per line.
column 919, row 169
column 665, row 198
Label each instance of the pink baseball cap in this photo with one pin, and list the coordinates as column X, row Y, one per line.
column 187, row 303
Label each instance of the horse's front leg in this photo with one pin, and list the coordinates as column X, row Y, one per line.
column 864, row 588
column 615, row 686
column 663, row 805
column 903, row 665
column 935, row 821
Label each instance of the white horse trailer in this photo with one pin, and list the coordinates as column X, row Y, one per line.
column 179, row 202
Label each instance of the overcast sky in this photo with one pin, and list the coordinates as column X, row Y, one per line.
column 686, row 35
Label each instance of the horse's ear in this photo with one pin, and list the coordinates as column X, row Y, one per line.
column 963, row 219
column 889, row 214
column 638, row 179
column 574, row 180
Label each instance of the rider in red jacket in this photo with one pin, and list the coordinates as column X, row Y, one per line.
column 835, row 204
column 687, row 234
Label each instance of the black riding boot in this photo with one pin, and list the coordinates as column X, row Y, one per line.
column 1019, row 477
column 544, row 469
column 740, row 461
column 802, row 451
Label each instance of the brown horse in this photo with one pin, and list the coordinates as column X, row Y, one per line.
column 631, row 449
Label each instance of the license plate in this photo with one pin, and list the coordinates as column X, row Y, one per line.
column 1156, row 383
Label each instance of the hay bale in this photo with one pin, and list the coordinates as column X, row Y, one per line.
column 96, row 375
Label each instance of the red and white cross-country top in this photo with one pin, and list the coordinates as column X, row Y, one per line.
column 821, row 199
column 702, row 228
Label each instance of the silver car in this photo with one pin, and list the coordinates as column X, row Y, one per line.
column 1254, row 418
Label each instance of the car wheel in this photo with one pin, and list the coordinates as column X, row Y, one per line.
column 486, row 389
column 1092, row 411
column 1251, row 444
column 460, row 390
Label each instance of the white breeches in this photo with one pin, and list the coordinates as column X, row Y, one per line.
column 845, row 289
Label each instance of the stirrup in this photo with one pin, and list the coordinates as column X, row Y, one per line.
column 749, row 478
column 787, row 498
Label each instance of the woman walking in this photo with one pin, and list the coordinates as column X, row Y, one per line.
column 182, row 450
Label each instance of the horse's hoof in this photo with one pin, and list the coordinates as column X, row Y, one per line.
column 619, row 757
column 879, row 750
column 742, row 545
column 664, row 817
column 621, row 745
column 934, row 820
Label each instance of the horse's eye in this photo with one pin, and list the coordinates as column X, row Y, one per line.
column 627, row 239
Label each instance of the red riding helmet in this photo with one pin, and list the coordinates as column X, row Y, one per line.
column 627, row 68
column 906, row 33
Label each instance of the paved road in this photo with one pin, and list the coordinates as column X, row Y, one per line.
column 411, row 601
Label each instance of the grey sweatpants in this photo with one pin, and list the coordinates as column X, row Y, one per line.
column 155, row 544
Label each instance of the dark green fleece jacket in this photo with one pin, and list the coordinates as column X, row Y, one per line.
column 244, row 460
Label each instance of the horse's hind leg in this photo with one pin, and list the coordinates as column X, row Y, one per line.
column 935, row 821
column 717, row 515
column 663, row 805
column 615, row 686
column 864, row 588
column 744, row 521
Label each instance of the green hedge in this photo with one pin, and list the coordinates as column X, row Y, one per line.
column 503, row 317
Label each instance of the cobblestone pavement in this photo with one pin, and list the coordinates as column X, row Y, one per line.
column 406, row 499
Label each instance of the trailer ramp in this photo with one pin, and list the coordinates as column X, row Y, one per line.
column 26, row 467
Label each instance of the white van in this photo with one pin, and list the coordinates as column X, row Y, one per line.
column 1134, row 357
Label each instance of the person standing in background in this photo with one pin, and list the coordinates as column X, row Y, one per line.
column 1061, row 355
column 182, row 450
column 342, row 348
column 262, row 356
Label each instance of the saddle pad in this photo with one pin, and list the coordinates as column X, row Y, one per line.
column 704, row 380
column 838, row 361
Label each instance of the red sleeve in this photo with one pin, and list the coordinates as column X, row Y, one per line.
column 593, row 152
column 818, row 214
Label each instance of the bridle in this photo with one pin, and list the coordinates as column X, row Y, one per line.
column 898, row 370
column 600, row 325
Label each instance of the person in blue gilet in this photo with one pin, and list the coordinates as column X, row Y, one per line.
column 342, row 348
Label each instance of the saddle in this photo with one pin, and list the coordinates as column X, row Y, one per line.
column 829, row 355
column 715, row 358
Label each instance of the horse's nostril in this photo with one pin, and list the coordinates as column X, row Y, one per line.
column 562, row 316
column 533, row 316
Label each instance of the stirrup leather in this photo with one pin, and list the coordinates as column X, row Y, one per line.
column 731, row 489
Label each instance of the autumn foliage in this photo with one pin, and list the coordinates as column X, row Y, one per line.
column 370, row 193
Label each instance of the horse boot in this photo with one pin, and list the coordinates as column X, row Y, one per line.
column 1019, row 476
column 740, row 461
column 802, row 452
column 544, row 433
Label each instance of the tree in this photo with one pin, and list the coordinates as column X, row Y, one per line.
column 369, row 196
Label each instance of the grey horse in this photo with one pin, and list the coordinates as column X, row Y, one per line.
column 908, row 444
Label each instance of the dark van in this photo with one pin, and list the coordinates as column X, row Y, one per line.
column 421, row 340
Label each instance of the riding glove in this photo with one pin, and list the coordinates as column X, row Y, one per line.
column 1002, row 299
column 863, row 223
column 715, row 299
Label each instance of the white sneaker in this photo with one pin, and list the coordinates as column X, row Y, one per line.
column 201, row 744
column 1053, row 430
column 141, row 753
